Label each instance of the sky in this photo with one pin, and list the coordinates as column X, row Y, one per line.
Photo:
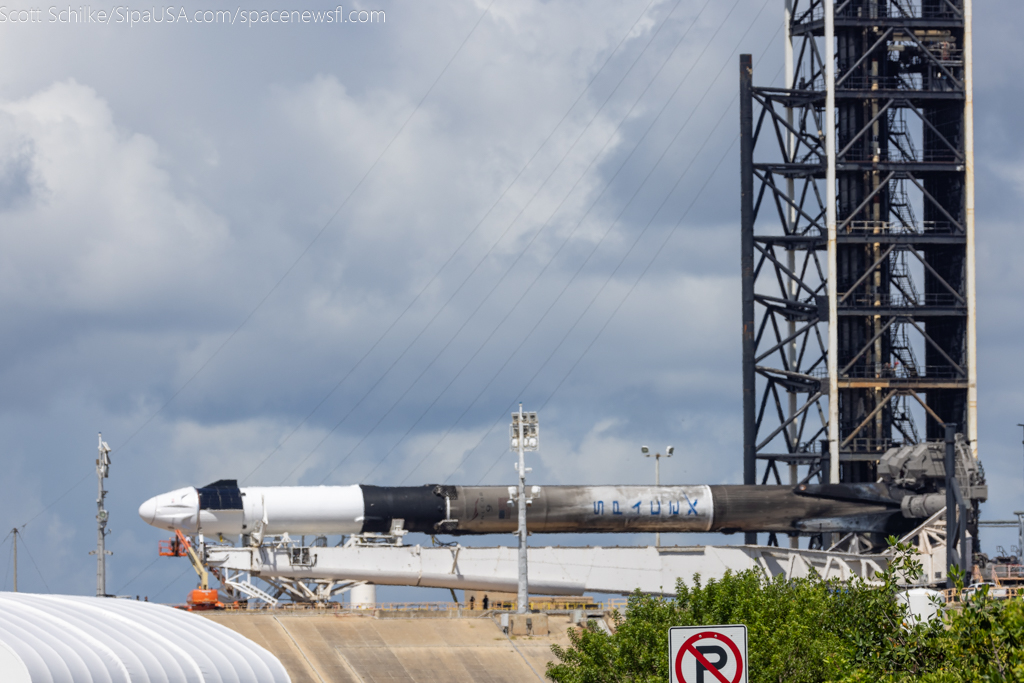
column 343, row 252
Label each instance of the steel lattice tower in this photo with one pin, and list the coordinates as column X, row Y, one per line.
column 858, row 239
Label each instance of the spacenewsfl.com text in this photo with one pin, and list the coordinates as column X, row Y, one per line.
column 131, row 16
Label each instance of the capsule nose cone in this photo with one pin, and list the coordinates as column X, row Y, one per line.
column 148, row 511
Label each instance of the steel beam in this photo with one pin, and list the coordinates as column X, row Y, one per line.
column 747, row 270
column 553, row 570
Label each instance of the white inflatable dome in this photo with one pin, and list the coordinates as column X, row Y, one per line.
column 72, row 639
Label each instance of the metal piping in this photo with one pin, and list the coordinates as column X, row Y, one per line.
column 830, row 222
column 972, row 302
column 747, row 271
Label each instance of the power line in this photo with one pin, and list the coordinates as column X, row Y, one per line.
column 522, row 252
column 623, row 301
column 593, row 251
column 466, row 239
column 487, row 255
column 604, row 236
column 290, row 268
column 25, row 546
column 320, row 232
column 144, row 570
column 575, row 324
column 171, row 583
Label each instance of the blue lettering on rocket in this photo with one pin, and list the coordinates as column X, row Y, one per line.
column 599, row 507
column 692, row 504
column 615, row 508
column 655, row 511
column 673, row 507
column 636, row 507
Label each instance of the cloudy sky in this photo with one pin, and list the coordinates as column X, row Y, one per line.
column 343, row 252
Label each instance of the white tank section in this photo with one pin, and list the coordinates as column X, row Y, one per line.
column 260, row 510
column 363, row 596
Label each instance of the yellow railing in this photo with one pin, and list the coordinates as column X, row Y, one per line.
column 953, row 596
column 540, row 605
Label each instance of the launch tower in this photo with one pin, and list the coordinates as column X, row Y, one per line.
column 858, row 240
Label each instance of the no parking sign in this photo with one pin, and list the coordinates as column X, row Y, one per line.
column 708, row 654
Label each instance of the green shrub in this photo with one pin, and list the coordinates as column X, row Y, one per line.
column 808, row 630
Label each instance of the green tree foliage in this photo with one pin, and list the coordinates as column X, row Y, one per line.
column 809, row 630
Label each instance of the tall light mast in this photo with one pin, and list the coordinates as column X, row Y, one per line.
column 102, row 471
column 524, row 433
column 657, row 476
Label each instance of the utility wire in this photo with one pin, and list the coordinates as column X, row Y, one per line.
column 466, row 240
column 521, row 254
column 609, row 319
column 576, row 323
column 322, row 230
column 290, row 268
column 586, row 261
column 132, row 580
column 29, row 552
column 603, row 237
column 621, row 302
column 649, row 263
column 487, row 255
column 171, row 583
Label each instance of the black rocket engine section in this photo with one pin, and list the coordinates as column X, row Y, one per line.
column 419, row 507
column 807, row 508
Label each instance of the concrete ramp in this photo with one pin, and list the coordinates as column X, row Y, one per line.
column 352, row 648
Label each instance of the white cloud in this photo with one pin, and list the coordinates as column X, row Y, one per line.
column 103, row 230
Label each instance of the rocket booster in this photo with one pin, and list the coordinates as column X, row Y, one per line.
column 225, row 508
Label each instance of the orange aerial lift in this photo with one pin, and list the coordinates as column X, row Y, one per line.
column 202, row 598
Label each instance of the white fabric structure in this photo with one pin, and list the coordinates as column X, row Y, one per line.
column 73, row 639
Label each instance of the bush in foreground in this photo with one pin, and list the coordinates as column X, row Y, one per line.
column 809, row 630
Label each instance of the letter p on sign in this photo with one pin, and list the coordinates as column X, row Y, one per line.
column 708, row 654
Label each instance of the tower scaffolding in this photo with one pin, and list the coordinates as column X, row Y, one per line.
column 858, row 240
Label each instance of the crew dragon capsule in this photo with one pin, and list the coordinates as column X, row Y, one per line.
column 224, row 508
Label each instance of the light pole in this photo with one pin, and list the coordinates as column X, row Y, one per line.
column 657, row 475
column 523, row 436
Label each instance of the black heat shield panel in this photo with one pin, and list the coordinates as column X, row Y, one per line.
column 419, row 506
column 219, row 497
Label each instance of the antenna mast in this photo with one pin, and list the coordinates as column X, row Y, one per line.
column 102, row 471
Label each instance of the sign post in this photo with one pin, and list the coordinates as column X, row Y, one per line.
column 707, row 654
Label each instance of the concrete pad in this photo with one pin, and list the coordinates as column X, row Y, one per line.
column 359, row 648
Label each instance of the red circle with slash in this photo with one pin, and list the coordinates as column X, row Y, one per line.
column 689, row 647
